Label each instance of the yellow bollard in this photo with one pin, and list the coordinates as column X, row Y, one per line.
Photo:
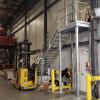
column 36, row 77
column 88, row 87
column 52, row 80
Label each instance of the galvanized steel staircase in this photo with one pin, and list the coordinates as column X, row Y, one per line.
column 55, row 38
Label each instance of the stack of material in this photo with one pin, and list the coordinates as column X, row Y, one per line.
column 44, row 86
column 2, row 73
column 83, row 9
column 9, row 74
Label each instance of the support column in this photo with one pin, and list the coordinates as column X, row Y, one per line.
column 88, row 88
column 60, row 63
column 25, row 39
column 36, row 77
column 52, row 80
column 45, row 24
column 94, row 48
column 72, row 64
column 77, row 62
column 25, row 34
column 42, row 63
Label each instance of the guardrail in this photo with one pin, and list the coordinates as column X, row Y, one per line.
column 89, row 80
column 53, row 87
column 66, row 16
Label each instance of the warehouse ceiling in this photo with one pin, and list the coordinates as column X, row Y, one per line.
column 11, row 9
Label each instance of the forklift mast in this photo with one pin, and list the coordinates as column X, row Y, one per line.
column 23, row 58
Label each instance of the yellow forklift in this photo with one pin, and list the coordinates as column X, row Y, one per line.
column 26, row 76
column 26, row 79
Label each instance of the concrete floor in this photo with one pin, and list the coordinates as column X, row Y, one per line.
column 7, row 92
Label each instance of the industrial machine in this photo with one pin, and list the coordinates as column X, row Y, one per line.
column 26, row 75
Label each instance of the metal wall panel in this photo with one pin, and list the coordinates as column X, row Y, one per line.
column 38, row 8
column 20, row 35
column 84, row 36
column 98, row 3
column 39, row 32
column 83, row 59
column 35, row 33
column 32, row 34
column 53, row 13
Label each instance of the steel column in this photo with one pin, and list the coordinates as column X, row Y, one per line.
column 45, row 24
column 72, row 48
column 60, row 62
column 77, row 62
column 25, row 38
column 25, row 34
column 94, row 48
column 77, row 50
column 42, row 63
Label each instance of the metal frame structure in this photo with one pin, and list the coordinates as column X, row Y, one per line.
column 94, row 46
column 60, row 37
column 53, row 87
column 89, row 80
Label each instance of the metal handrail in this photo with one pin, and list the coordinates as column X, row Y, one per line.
column 83, row 3
column 54, row 27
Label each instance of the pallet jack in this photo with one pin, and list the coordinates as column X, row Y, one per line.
column 26, row 76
